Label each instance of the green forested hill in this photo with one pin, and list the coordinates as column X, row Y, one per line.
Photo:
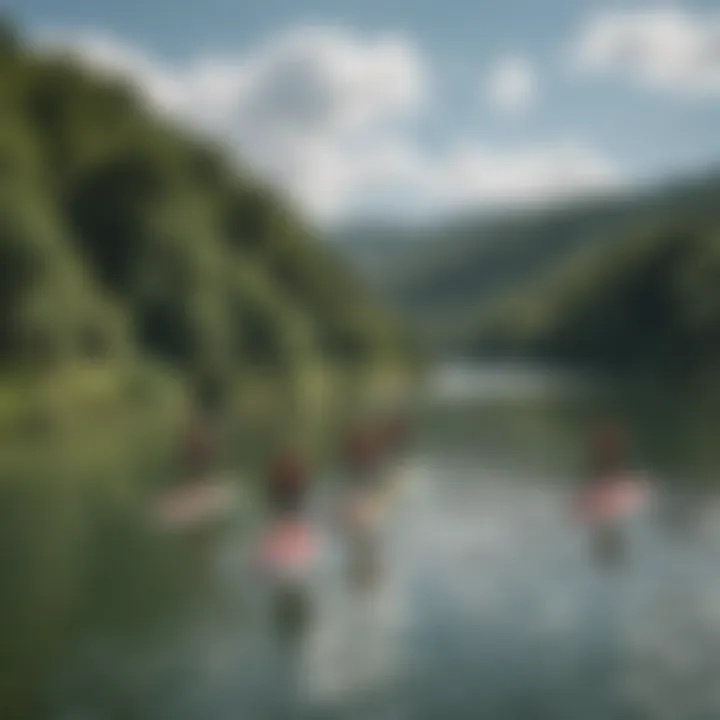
column 615, row 282
column 645, row 302
column 123, row 239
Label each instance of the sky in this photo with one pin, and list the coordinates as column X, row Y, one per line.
column 410, row 108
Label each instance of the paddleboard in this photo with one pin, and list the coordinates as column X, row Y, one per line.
column 287, row 550
column 197, row 504
column 614, row 499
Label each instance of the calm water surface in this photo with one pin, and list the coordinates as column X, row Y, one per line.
column 489, row 605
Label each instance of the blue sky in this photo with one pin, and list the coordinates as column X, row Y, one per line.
column 437, row 104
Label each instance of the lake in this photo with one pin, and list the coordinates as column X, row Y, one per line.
column 489, row 604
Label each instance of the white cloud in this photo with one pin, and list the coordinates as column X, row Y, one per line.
column 317, row 102
column 665, row 48
column 205, row 91
column 474, row 174
column 324, row 113
column 317, row 80
column 511, row 84
column 328, row 81
column 301, row 107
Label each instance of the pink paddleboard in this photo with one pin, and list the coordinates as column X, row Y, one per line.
column 614, row 499
column 195, row 504
column 288, row 548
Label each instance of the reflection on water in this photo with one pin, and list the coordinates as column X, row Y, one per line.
column 490, row 605
column 453, row 383
column 491, row 608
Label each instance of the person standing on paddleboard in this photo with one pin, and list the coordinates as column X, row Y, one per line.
column 287, row 544
column 362, row 459
column 194, row 506
column 182, row 502
column 396, row 439
column 611, row 494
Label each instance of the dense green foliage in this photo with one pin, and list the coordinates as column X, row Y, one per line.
column 650, row 303
column 620, row 284
column 122, row 239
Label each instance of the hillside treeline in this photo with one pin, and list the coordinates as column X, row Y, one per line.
column 125, row 241
column 626, row 284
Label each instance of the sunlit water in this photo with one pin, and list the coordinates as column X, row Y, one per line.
column 489, row 606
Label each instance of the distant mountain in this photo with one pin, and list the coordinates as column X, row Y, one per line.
column 461, row 282
column 382, row 253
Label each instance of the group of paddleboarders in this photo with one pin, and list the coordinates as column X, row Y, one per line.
column 609, row 494
column 366, row 451
column 197, row 504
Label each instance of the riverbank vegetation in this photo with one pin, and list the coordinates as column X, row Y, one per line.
column 645, row 304
column 141, row 267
